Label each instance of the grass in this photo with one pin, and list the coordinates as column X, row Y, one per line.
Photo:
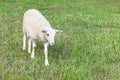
column 88, row 49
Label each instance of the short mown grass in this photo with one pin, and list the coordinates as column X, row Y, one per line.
column 88, row 48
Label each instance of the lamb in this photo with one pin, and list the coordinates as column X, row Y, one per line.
column 37, row 27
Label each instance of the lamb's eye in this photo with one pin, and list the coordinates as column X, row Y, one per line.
column 47, row 34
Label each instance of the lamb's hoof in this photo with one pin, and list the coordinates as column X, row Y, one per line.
column 32, row 57
column 23, row 49
column 29, row 51
column 46, row 63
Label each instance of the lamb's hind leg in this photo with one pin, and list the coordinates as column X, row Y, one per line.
column 29, row 45
column 24, row 41
column 33, row 49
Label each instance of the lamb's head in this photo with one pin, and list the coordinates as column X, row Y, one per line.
column 49, row 35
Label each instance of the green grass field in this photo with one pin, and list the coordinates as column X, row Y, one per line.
column 88, row 48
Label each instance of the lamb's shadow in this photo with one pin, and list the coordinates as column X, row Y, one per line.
column 59, row 52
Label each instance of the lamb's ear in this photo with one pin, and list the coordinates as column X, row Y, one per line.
column 58, row 31
column 44, row 31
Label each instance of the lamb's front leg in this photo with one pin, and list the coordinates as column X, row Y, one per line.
column 33, row 49
column 46, row 54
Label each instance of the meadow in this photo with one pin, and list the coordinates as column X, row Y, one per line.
column 88, row 48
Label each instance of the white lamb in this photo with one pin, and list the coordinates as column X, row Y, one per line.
column 36, row 26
